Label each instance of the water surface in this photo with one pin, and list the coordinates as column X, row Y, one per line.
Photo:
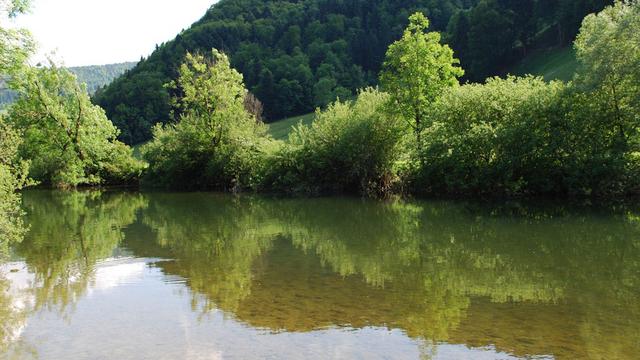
column 125, row 275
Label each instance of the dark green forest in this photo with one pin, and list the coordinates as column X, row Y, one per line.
column 297, row 55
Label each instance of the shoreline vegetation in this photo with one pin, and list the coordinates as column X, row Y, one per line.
column 419, row 133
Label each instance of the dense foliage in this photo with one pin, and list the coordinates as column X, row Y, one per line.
column 352, row 146
column 525, row 136
column 425, row 134
column 68, row 140
column 216, row 143
column 12, row 177
column 506, row 136
column 296, row 55
column 15, row 48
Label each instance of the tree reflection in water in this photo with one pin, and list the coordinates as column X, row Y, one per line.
column 69, row 233
column 528, row 280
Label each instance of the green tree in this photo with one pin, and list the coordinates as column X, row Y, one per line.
column 608, row 50
column 216, row 143
column 416, row 70
column 15, row 48
column 68, row 140
column 13, row 176
column 16, row 45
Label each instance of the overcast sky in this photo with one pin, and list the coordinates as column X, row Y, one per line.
column 95, row 32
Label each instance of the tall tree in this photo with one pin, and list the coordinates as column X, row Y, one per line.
column 15, row 47
column 608, row 50
column 416, row 70
column 68, row 140
column 214, row 144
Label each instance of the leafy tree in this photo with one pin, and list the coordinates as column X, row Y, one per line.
column 13, row 176
column 216, row 143
column 416, row 71
column 15, row 47
column 608, row 50
column 68, row 140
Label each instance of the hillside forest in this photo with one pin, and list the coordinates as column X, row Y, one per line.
column 297, row 55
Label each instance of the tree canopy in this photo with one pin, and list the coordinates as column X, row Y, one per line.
column 608, row 50
column 15, row 47
column 68, row 140
column 416, row 71
column 216, row 141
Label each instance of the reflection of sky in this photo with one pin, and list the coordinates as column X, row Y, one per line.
column 20, row 299
column 111, row 274
column 132, row 310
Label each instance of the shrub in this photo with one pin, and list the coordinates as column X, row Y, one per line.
column 350, row 147
column 503, row 137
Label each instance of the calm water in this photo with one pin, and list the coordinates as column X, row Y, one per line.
column 206, row 276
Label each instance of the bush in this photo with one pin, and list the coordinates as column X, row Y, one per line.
column 521, row 136
column 350, row 147
column 503, row 137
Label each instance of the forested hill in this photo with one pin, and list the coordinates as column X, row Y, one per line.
column 95, row 76
column 299, row 54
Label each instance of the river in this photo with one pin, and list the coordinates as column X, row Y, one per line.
column 156, row 275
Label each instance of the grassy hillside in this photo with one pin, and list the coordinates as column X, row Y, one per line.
column 280, row 129
column 555, row 64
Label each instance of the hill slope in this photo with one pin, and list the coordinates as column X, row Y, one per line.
column 280, row 129
column 95, row 76
column 554, row 64
column 296, row 55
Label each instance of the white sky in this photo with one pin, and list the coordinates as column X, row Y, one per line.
column 96, row 32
